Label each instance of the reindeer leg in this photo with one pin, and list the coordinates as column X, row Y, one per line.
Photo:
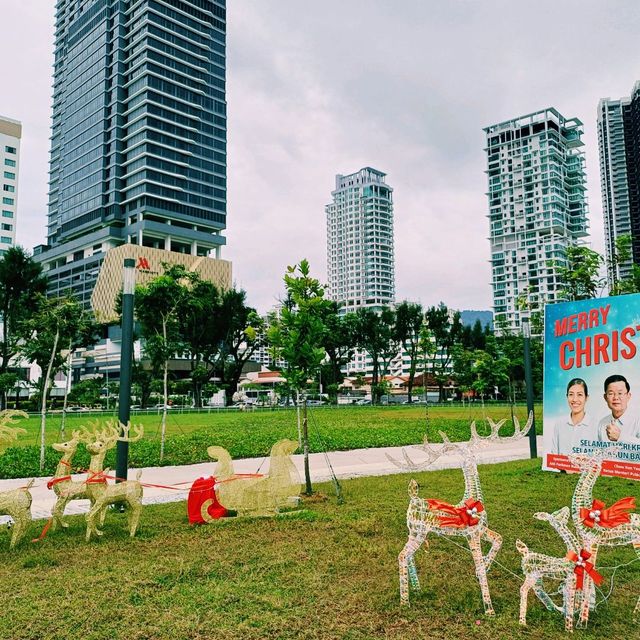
column 495, row 539
column 133, row 515
column 91, row 517
column 569, row 593
column 524, row 592
column 58, row 512
column 544, row 597
column 408, row 573
column 481, row 573
column 588, row 591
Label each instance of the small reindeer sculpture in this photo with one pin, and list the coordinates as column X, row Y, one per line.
column 467, row 519
column 16, row 502
column 537, row 566
column 99, row 492
column 62, row 484
column 597, row 525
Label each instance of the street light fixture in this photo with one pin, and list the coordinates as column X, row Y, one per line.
column 126, row 355
column 528, row 378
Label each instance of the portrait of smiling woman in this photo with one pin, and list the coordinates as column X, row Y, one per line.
column 568, row 433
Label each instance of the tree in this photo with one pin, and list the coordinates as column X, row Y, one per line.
column 376, row 336
column 340, row 341
column 21, row 284
column 409, row 322
column 243, row 331
column 297, row 335
column 87, row 392
column 201, row 326
column 56, row 323
column 623, row 257
column 445, row 329
column 580, row 275
column 158, row 307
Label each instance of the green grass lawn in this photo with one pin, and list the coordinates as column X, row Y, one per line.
column 330, row 572
column 251, row 434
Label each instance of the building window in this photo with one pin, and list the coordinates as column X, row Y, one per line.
column 9, row 175
column 7, row 227
column 8, row 187
column 8, row 201
column 9, row 163
column 10, row 149
column 6, row 239
column 7, row 214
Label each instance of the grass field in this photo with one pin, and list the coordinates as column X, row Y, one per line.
column 328, row 573
column 251, row 434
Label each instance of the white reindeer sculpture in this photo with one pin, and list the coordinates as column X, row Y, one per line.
column 597, row 525
column 537, row 566
column 467, row 519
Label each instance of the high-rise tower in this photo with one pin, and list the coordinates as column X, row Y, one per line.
column 619, row 144
column 537, row 209
column 10, row 135
column 360, row 257
column 138, row 146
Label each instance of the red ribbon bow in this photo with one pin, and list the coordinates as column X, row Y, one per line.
column 614, row 516
column 584, row 566
column 464, row 516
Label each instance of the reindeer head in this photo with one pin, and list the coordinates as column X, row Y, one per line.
column 560, row 516
column 592, row 462
column 69, row 446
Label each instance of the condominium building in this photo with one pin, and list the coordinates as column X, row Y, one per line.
column 360, row 258
column 537, row 209
column 138, row 144
column 619, row 144
column 10, row 135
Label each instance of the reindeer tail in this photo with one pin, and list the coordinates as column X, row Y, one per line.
column 138, row 475
column 522, row 547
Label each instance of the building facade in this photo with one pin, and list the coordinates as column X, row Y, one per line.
column 138, row 146
column 537, row 209
column 10, row 135
column 360, row 255
column 619, row 145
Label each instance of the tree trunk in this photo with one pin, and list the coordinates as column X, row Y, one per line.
column 66, row 393
column 45, row 389
column 305, row 449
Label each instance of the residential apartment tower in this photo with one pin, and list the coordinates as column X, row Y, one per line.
column 360, row 257
column 619, row 144
column 537, row 209
column 10, row 135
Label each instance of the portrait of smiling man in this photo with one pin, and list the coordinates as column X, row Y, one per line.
column 622, row 424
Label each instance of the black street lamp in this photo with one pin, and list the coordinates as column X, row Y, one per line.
column 526, row 334
column 126, row 357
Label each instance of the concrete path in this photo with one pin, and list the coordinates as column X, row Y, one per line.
column 345, row 464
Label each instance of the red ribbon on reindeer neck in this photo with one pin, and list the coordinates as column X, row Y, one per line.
column 461, row 517
column 615, row 515
column 584, row 566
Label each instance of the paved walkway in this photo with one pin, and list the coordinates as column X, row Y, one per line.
column 345, row 464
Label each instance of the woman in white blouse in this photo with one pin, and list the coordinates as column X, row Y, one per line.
column 568, row 433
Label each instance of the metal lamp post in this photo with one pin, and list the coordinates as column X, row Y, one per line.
column 526, row 334
column 126, row 355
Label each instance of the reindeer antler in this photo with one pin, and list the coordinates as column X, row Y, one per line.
column 432, row 453
column 125, row 437
column 9, row 434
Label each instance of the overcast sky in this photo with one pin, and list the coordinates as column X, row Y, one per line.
column 405, row 86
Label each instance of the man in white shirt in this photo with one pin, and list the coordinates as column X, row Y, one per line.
column 621, row 425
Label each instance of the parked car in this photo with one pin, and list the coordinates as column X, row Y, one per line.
column 161, row 406
column 362, row 401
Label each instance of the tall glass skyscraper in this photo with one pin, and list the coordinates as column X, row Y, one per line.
column 138, row 145
column 537, row 209
column 360, row 256
column 619, row 144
